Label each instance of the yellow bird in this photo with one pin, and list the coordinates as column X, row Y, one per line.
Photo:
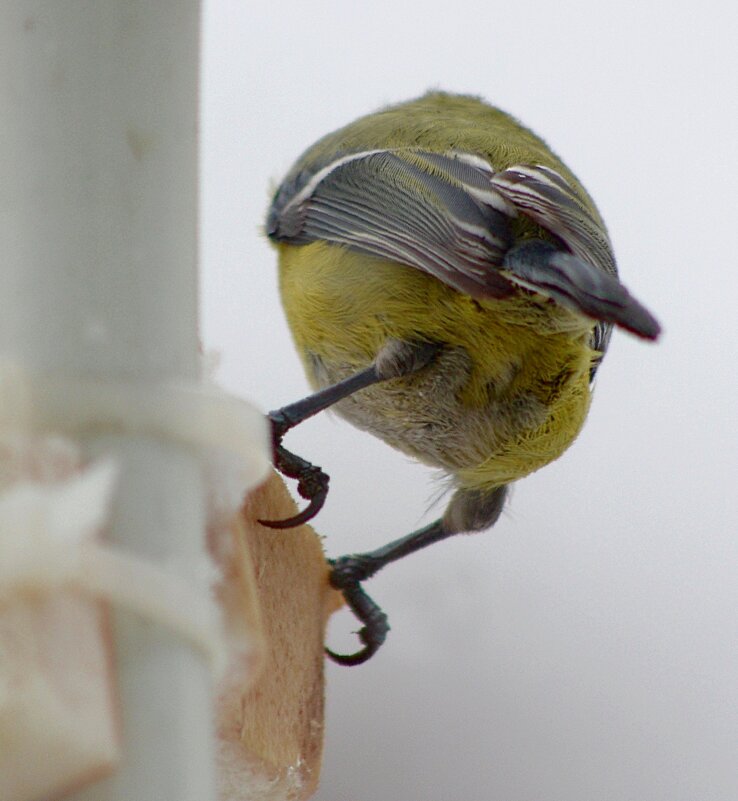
column 451, row 288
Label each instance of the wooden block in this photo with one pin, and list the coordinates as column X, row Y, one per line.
column 277, row 600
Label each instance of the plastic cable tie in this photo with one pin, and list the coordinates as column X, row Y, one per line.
column 200, row 415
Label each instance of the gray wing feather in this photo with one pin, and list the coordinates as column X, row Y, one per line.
column 410, row 207
column 544, row 196
column 577, row 285
column 450, row 216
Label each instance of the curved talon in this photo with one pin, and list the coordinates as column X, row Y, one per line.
column 312, row 485
column 308, row 513
column 346, row 575
column 357, row 658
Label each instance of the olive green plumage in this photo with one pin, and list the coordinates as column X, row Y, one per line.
column 407, row 225
column 508, row 393
column 440, row 122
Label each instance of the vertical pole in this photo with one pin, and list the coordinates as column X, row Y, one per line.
column 98, row 207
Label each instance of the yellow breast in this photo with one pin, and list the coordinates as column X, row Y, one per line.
column 507, row 395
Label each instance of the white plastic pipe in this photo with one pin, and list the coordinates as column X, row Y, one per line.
column 98, row 202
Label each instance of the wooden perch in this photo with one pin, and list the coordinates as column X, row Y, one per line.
column 274, row 588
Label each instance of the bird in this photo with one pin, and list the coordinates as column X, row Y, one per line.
column 451, row 288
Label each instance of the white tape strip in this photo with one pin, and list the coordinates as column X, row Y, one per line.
column 47, row 542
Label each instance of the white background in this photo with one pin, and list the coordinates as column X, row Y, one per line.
column 586, row 648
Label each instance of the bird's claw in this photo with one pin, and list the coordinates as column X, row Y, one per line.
column 346, row 576
column 357, row 658
column 312, row 481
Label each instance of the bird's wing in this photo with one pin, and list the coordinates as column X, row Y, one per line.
column 450, row 215
column 412, row 207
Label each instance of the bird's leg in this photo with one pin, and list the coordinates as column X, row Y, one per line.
column 469, row 510
column 312, row 481
column 396, row 359
column 348, row 572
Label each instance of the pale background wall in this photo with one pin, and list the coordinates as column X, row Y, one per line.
column 586, row 648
